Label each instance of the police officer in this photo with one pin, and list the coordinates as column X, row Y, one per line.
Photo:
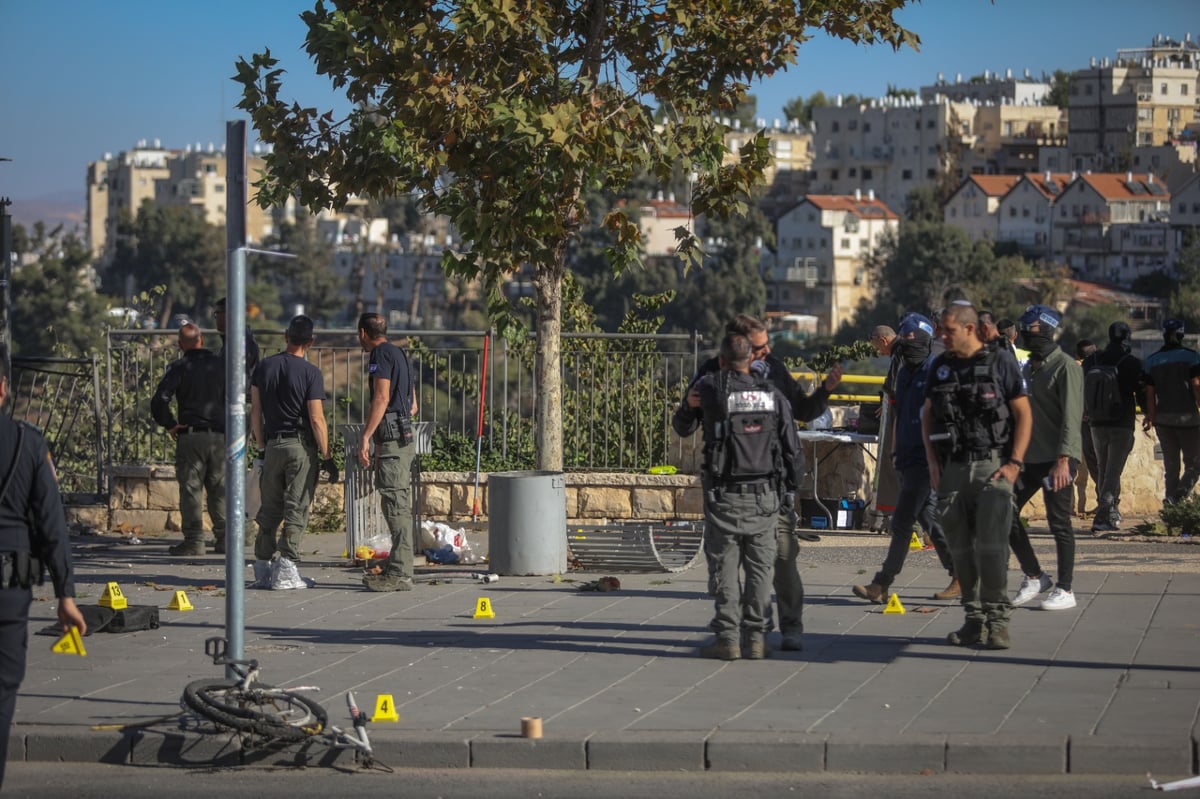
column 1171, row 377
column 288, row 419
column 915, row 502
column 751, row 460
column 1111, row 429
column 975, row 425
column 1054, row 383
column 197, row 382
column 253, row 354
column 33, row 536
column 789, row 588
column 389, row 428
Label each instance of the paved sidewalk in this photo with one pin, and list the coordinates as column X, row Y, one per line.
column 1110, row 687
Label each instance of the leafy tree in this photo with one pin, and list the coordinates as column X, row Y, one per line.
column 499, row 114
column 308, row 279
column 1092, row 323
column 930, row 264
column 55, row 307
column 170, row 246
column 1060, row 89
column 895, row 91
column 801, row 109
column 1185, row 296
column 921, row 204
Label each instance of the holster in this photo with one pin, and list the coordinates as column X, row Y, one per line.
column 19, row 570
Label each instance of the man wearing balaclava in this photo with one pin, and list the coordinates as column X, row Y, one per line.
column 1055, row 385
column 1111, row 377
column 1172, row 380
column 915, row 501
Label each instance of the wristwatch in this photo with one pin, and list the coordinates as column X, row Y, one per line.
column 1019, row 464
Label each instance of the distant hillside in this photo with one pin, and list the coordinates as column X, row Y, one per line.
column 65, row 208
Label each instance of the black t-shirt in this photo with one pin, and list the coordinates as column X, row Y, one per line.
column 285, row 385
column 197, row 381
column 389, row 362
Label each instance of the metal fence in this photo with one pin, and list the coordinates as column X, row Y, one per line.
column 61, row 397
column 618, row 391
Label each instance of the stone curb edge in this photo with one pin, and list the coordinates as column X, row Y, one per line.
column 732, row 751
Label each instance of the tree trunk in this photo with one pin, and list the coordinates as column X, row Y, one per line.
column 547, row 282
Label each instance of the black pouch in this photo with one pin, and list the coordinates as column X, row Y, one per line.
column 132, row 618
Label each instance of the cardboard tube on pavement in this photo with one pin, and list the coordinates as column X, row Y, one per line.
column 531, row 727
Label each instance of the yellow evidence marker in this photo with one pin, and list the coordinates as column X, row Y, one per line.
column 113, row 598
column 916, row 544
column 893, row 605
column 483, row 609
column 180, row 602
column 70, row 644
column 385, row 709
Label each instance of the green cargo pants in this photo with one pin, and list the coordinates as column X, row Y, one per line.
column 289, row 480
column 393, row 481
column 200, row 471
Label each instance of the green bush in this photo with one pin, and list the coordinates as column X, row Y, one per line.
column 1183, row 517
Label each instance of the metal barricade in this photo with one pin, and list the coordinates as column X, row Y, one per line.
column 636, row 546
column 364, row 519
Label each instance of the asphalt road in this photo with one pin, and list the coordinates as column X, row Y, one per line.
column 94, row 781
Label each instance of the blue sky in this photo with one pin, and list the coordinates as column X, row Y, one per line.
column 85, row 77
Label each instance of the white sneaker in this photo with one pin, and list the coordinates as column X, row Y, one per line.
column 1031, row 587
column 1059, row 600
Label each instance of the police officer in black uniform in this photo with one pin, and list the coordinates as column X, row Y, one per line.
column 751, row 461
column 976, row 424
column 388, row 431
column 33, row 537
column 197, row 382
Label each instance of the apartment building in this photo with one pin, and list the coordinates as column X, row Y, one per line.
column 791, row 146
column 1185, row 206
column 1114, row 227
column 820, row 267
column 1144, row 97
column 403, row 280
column 989, row 88
column 657, row 219
column 974, row 204
column 1024, row 216
column 1008, row 139
column 191, row 178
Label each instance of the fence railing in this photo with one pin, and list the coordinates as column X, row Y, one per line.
column 61, row 397
column 618, row 391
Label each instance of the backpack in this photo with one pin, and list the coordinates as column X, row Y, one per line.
column 747, row 440
column 1102, row 400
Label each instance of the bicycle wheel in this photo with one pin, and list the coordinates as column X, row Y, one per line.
column 262, row 709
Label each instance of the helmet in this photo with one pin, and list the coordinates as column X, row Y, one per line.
column 915, row 323
column 1040, row 313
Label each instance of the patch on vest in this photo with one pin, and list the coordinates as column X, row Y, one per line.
column 943, row 372
column 750, row 402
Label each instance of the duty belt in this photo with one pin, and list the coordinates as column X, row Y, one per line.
column 199, row 429
column 287, row 434
column 972, row 456
column 757, row 487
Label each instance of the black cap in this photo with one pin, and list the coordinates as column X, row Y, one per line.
column 1173, row 326
column 300, row 330
column 1119, row 331
column 219, row 305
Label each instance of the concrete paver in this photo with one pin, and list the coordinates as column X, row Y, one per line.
column 1112, row 685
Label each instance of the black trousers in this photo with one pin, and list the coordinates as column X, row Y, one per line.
column 14, row 639
column 1058, row 515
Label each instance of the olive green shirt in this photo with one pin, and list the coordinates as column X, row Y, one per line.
column 1055, row 389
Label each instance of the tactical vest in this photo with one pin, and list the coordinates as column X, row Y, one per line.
column 970, row 417
column 745, row 444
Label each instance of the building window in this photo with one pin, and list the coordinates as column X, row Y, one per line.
column 866, row 174
column 824, row 243
column 1183, row 89
column 1012, row 212
column 852, row 172
column 931, row 173
column 953, row 213
column 906, row 174
column 852, row 125
column 930, row 124
column 866, row 127
column 1162, row 89
column 812, row 217
column 836, row 126
column 833, row 174
column 845, row 244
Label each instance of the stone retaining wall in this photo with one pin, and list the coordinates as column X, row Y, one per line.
column 146, row 498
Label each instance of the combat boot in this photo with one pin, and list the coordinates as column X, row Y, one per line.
column 997, row 637
column 187, row 548
column 972, row 632
column 874, row 592
column 721, row 649
column 756, row 648
column 952, row 591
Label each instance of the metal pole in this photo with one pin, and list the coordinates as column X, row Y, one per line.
column 5, row 284
column 235, row 389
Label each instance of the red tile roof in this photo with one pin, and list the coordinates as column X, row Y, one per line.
column 864, row 208
column 1114, row 186
column 1039, row 182
column 994, row 185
